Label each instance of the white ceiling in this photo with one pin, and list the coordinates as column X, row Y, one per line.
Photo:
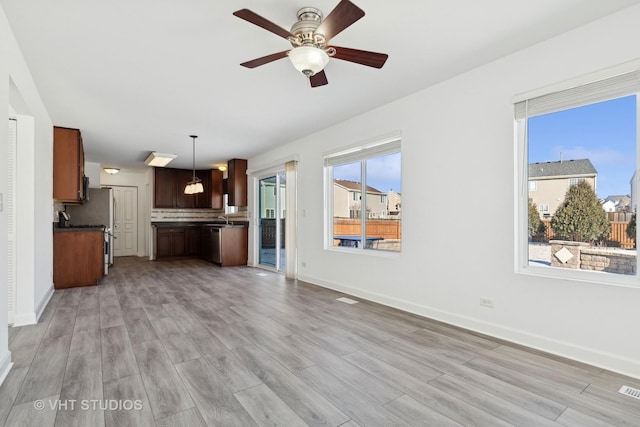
column 139, row 76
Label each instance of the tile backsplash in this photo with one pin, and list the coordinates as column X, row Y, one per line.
column 158, row 215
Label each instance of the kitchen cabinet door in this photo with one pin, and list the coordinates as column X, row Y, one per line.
column 163, row 245
column 78, row 258
column 170, row 242
column 68, row 165
column 237, row 182
column 164, row 188
column 183, row 201
column 217, row 194
column 203, row 200
column 192, row 241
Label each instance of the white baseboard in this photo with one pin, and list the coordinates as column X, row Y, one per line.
column 31, row 318
column 44, row 301
column 25, row 319
column 611, row 362
column 5, row 366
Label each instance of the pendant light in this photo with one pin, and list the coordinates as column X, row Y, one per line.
column 195, row 185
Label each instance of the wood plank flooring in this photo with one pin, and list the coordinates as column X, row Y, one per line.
column 186, row 343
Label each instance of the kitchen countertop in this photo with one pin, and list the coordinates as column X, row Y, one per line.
column 165, row 224
column 78, row 228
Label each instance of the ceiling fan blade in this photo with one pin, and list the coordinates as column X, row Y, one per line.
column 258, row 20
column 318, row 79
column 343, row 15
column 265, row 59
column 370, row 59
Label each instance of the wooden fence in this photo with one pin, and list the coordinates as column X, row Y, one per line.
column 385, row 228
column 617, row 238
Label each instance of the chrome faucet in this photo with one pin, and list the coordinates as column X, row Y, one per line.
column 226, row 218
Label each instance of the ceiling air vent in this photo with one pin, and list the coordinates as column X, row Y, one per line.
column 630, row 391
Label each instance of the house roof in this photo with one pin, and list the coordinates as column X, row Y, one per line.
column 356, row 186
column 623, row 200
column 581, row 167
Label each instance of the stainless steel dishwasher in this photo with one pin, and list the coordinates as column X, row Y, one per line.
column 216, row 245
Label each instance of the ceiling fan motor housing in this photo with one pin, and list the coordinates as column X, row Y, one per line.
column 309, row 19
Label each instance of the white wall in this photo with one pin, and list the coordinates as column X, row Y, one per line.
column 142, row 181
column 463, row 129
column 36, row 184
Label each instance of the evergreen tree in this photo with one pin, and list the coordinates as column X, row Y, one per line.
column 631, row 227
column 580, row 218
column 534, row 219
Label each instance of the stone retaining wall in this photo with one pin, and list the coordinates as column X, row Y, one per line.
column 603, row 260
column 579, row 255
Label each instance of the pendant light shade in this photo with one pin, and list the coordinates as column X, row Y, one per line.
column 195, row 185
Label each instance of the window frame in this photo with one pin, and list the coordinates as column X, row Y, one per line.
column 360, row 152
column 575, row 181
column 521, row 238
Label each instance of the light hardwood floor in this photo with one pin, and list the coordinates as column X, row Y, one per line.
column 189, row 344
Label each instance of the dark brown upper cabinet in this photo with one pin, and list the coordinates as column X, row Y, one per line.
column 237, row 182
column 170, row 184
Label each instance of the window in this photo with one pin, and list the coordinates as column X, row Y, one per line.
column 574, row 181
column 589, row 131
column 357, row 181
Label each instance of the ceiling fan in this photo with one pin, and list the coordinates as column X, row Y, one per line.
column 310, row 37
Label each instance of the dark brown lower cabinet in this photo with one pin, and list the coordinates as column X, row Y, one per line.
column 170, row 242
column 226, row 246
column 192, row 241
column 78, row 258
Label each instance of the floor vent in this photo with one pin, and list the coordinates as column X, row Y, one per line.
column 347, row 300
column 630, row 391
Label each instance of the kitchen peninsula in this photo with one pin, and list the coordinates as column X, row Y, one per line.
column 222, row 243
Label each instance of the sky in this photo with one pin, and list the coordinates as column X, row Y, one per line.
column 604, row 133
column 383, row 173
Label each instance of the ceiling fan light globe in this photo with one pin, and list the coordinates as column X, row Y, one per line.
column 308, row 60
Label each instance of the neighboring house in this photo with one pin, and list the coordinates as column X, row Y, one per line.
column 549, row 182
column 347, row 200
column 267, row 199
column 617, row 204
column 394, row 204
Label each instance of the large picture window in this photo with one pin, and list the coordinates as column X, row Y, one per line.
column 579, row 147
column 364, row 197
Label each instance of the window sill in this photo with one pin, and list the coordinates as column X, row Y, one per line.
column 367, row 252
column 593, row 277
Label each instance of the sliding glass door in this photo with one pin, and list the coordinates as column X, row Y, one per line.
column 272, row 211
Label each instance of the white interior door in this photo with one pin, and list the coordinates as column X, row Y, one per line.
column 125, row 221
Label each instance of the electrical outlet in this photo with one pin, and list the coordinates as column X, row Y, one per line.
column 304, row 264
column 487, row 302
